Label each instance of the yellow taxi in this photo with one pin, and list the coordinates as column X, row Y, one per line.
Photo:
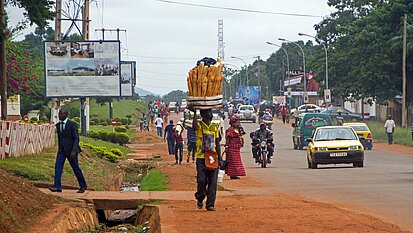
column 362, row 131
column 334, row 145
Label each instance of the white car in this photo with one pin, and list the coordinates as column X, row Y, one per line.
column 247, row 112
column 307, row 108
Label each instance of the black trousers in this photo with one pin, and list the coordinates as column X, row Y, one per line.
column 179, row 147
column 207, row 183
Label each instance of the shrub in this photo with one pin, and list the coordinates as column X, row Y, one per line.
column 76, row 120
column 117, row 152
column 103, row 135
column 111, row 137
column 44, row 120
column 102, row 152
column 110, row 156
column 33, row 119
column 124, row 121
column 122, row 138
column 92, row 134
column 120, row 129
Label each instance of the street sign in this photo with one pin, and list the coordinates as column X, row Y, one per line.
column 327, row 95
column 114, row 122
column 289, row 92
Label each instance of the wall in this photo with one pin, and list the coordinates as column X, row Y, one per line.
column 19, row 139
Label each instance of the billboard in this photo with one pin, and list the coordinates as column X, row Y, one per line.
column 126, row 78
column 82, row 68
column 251, row 94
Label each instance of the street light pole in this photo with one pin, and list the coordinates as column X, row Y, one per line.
column 245, row 66
column 286, row 54
column 325, row 49
column 305, row 81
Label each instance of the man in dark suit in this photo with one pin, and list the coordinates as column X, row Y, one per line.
column 68, row 139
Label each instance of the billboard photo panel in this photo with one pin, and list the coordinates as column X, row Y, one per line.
column 82, row 68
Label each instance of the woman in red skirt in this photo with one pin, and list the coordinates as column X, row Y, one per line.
column 234, row 142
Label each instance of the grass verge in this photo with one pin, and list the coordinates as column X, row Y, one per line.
column 154, row 181
column 129, row 132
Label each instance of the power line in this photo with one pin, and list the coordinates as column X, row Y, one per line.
column 239, row 9
column 169, row 74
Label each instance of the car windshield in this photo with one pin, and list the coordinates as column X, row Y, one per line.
column 360, row 127
column 243, row 108
column 332, row 134
column 215, row 117
column 316, row 121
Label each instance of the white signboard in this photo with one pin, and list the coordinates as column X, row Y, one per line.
column 126, row 78
column 292, row 81
column 327, row 95
column 82, row 68
column 300, row 93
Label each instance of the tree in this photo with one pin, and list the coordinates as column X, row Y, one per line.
column 175, row 95
column 36, row 12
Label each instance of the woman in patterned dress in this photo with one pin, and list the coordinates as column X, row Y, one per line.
column 234, row 142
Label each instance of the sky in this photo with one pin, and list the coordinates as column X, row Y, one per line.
column 167, row 39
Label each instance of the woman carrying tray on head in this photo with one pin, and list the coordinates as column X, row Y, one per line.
column 234, row 142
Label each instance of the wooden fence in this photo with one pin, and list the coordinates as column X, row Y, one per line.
column 18, row 139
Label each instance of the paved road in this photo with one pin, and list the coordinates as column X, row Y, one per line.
column 384, row 186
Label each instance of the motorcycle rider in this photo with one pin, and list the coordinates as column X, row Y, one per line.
column 263, row 134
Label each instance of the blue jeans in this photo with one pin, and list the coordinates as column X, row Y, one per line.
column 179, row 147
column 60, row 162
column 171, row 146
column 390, row 138
column 159, row 131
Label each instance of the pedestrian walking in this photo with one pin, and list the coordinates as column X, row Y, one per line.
column 283, row 113
column 169, row 137
column 288, row 115
column 233, row 145
column 191, row 142
column 152, row 115
column 389, row 125
column 179, row 142
column 207, row 142
column 68, row 141
column 221, row 128
column 159, row 125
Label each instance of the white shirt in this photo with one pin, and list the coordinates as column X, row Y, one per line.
column 158, row 122
column 389, row 125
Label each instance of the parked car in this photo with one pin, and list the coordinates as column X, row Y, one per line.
column 172, row 106
column 334, row 145
column 364, row 132
column 347, row 115
column 184, row 104
column 247, row 112
column 304, row 127
column 306, row 108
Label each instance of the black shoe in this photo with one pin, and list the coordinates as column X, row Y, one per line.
column 210, row 208
column 53, row 189
column 82, row 190
column 234, row 178
column 176, row 162
column 269, row 161
column 199, row 204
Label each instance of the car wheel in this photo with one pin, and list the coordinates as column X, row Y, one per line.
column 358, row 164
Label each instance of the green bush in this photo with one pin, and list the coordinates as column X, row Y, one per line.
column 111, row 137
column 122, row 138
column 44, row 120
column 76, row 120
column 103, row 135
column 110, row 156
column 117, row 152
column 92, row 134
column 124, row 121
column 33, row 119
column 102, row 152
column 120, row 129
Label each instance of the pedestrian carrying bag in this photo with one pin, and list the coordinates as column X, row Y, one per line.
column 208, row 148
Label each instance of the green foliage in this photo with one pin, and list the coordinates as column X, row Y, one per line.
column 122, row 138
column 116, row 152
column 101, row 152
column 154, row 181
column 120, row 129
column 114, row 137
column 176, row 95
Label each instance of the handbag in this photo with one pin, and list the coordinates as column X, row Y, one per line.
column 224, row 162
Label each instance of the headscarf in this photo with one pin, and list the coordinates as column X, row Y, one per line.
column 233, row 120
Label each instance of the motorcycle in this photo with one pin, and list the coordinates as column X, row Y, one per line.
column 268, row 120
column 263, row 154
column 144, row 125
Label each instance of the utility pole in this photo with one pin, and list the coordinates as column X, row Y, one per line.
column 3, row 79
column 259, row 74
column 117, row 30
column 57, row 36
column 85, row 102
column 404, row 110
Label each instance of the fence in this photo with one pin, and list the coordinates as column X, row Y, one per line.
column 394, row 109
column 18, row 139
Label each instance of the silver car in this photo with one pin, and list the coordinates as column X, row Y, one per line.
column 247, row 112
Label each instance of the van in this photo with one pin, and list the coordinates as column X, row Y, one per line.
column 305, row 125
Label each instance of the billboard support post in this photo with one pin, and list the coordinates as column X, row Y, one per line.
column 83, row 116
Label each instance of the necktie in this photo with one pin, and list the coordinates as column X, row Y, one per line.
column 62, row 126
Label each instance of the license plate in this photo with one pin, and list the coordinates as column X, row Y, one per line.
column 341, row 154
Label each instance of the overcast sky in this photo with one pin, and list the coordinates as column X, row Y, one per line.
column 167, row 39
